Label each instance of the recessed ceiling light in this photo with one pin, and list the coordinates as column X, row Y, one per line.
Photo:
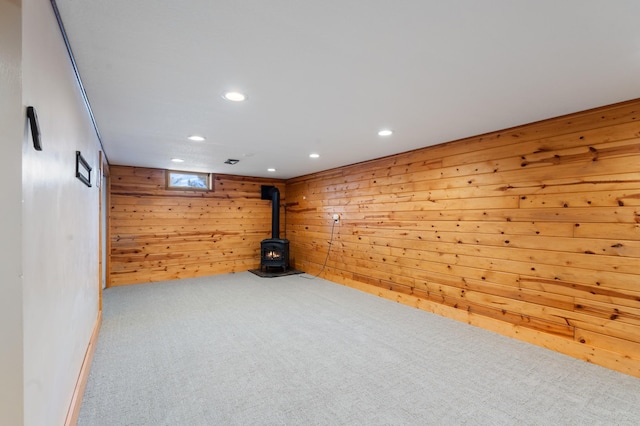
column 196, row 138
column 232, row 161
column 385, row 132
column 234, row 96
column 314, row 155
column 177, row 160
column 271, row 170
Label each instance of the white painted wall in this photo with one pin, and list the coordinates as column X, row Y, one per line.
column 60, row 223
column 11, row 135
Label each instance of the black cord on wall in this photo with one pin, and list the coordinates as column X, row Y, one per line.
column 326, row 258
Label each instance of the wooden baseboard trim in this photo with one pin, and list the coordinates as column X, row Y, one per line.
column 623, row 363
column 78, row 392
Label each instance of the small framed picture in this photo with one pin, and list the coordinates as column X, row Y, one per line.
column 188, row 180
column 83, row 170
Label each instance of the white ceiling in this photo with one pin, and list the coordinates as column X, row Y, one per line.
column 324, row 76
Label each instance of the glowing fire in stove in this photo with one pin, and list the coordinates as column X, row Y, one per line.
column 273, row 255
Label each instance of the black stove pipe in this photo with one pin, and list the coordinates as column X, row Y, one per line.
column 275, row 216
column 272, row 193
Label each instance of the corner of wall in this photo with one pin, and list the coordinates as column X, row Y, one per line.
column 11, row 133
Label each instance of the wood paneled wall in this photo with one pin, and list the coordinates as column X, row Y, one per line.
column 532, row 232
column 159, row 234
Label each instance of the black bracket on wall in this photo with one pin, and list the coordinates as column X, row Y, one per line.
column 35, row 128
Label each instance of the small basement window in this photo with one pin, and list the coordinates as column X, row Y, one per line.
column 188, row 180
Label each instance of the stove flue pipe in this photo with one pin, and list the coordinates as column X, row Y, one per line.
column 275, row 216
column 272, row 193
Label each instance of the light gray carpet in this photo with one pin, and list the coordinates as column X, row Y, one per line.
column 238, row 349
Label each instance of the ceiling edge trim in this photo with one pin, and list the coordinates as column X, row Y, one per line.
column 56, row 12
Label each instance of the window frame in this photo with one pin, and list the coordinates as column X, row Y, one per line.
column 206, row 178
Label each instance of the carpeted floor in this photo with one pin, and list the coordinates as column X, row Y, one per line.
column 238, row 349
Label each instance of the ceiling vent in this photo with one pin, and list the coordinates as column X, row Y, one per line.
column 231, row 161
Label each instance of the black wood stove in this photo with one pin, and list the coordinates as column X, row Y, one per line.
column 274, row 251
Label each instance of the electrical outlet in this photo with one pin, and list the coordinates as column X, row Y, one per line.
column 336, row 218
